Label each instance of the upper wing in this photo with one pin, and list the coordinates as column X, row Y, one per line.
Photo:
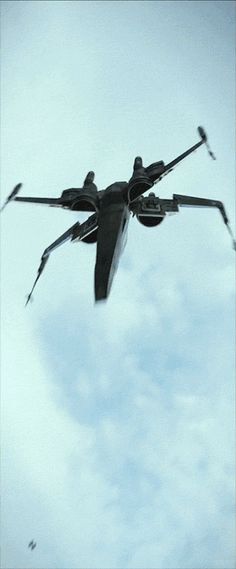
column 53, row 202
column 80, row 199
column 158, row 169
column 74, row 198
column 66, row 200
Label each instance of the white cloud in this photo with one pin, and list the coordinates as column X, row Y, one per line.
column 155, row 463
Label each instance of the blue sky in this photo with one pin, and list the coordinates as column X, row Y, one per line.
column 118, row 419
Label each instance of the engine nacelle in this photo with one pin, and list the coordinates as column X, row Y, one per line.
column 150, row 221
column 156, row 170
column 149, row 211
column 85, row 202
column 79, row 199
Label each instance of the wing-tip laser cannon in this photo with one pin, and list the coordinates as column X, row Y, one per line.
column 12, row 196
column 111, row 210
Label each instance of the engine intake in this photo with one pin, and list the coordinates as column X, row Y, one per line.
column 85, row 202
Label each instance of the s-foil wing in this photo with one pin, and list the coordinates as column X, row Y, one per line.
column 76, row 232
column 157, row 170
column 192, row 201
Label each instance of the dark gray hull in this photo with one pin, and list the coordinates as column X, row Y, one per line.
column 111, row 237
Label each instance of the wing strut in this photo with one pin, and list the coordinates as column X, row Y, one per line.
column 204, row 202
column 77, row 232
column 67, row 235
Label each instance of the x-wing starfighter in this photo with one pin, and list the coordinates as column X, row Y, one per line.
column 112, row 207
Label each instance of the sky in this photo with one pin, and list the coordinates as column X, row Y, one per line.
column 117, row 420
